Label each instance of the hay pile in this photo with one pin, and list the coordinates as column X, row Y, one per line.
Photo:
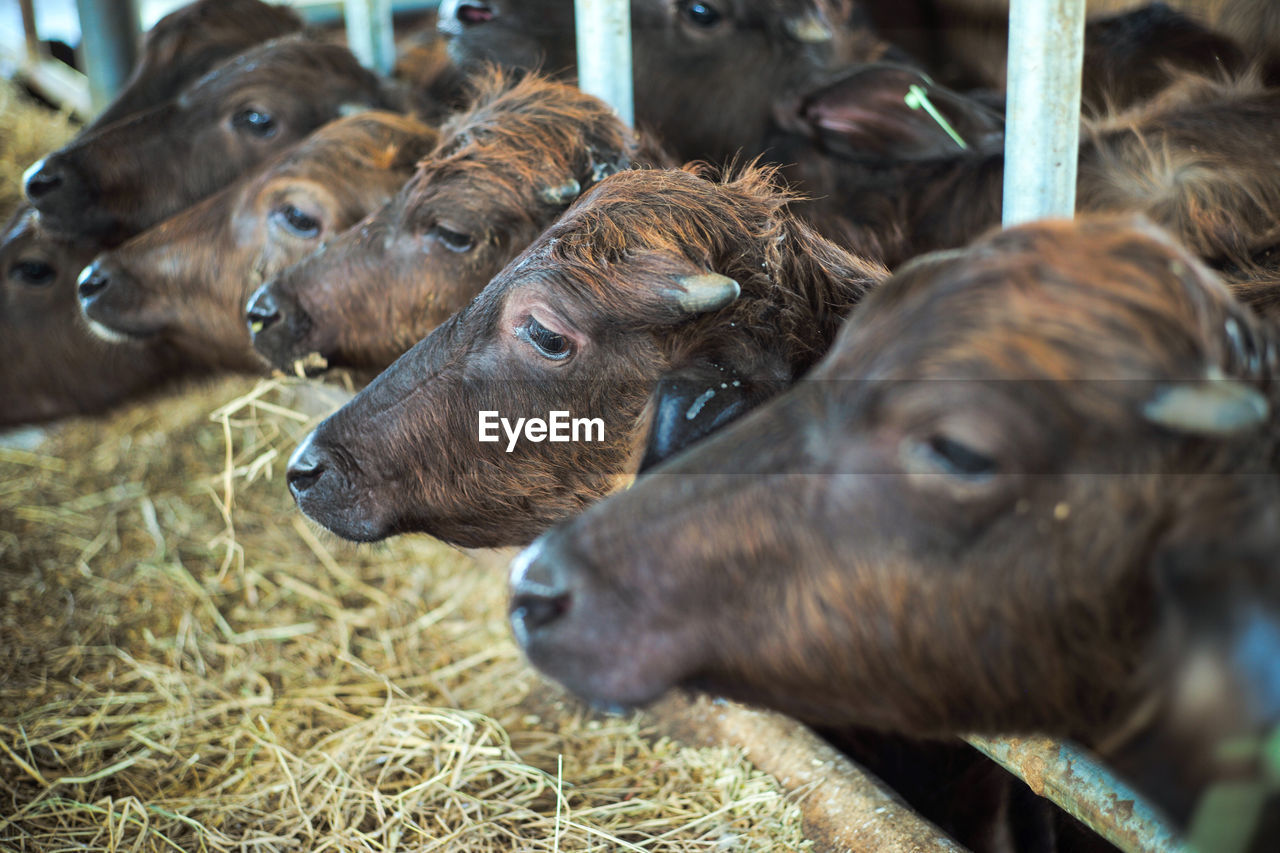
column 27, row 133
column 187, row 665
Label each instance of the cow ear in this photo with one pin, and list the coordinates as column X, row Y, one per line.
column 895, row 112
column 695, row 400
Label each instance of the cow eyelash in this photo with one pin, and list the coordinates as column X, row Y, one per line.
column 454, row 241
column 549, row 344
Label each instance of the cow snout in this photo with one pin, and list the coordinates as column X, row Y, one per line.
column 456, row 15
column 93, row 280
column 55, row 188
column 279, row 326
column 41, row 179
column 262, row 311
column 539, row 589
column 307, row 465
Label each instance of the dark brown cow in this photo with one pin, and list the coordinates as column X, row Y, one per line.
column 1031, row 486
column 1199, row 160
column 50, row 365
column 187, row 279
column 660, row 297
column 189, row 42
column 129, row 175
column 707, row 72
column 504, row 170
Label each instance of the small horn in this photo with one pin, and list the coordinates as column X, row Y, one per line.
column 706, row 292
column 562, row 194
column 1216, row 407
column 809, row 28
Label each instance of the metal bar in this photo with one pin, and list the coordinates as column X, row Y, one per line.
column 28, row 8
column 604, row 53
column 845, row 808
column 1084, row 789
column 109, row 45
column 1046, row 54
column 369, row 33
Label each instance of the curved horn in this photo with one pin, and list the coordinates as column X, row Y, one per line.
column 1216, row 407
column 809, row 28
column 706, row 292
column 562, row 194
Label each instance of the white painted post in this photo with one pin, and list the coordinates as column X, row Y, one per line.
column 369, row 33
column 1042, row 122
column 604, row 53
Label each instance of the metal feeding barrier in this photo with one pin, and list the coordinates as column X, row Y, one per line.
column 1046, row 46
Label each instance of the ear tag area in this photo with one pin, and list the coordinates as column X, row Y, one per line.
column 691, row 403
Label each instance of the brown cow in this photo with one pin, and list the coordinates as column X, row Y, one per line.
column 50, row 365
column 707, row 72
column 189, row 42
column 710, row 294
column 127, row 176
column 504, row 170
column 1199, row 160
column 1031, row 488
column 187, row 279
column 83, row 374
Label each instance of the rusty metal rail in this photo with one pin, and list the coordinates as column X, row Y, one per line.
column 1085, row 789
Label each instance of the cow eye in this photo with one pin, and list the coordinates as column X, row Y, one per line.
column 957, row 459
column 32, row 272
column 701, row 13
column 455, row 241
column 255, row 122
column 297, row 222
column 550, row 344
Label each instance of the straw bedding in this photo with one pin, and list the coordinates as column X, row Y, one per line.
column 185, row 664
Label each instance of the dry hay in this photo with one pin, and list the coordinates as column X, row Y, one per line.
column 187, row 665
column 28, row 132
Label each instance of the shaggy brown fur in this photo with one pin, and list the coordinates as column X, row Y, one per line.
column 1199, row 160
column 122, row 178
column 504, row 170
column 965, row 519
column 404, row 455
column 188, row 278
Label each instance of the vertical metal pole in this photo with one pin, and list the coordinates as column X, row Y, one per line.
column 29, row 28
column 604, row 53
column 369, row 33
column 109, row 45
column 1042, row 137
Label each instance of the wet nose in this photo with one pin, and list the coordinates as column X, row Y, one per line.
column 306, row 467
column 262, row 311
column 41, row 179
column 92, row 281
column 539, row 589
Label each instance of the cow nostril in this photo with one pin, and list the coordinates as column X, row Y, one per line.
column 303, row 477
column 262, row 311
column 537, row 610
column 306, row 467
column 91, row 282
column 40, row 181
column 540, row 591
